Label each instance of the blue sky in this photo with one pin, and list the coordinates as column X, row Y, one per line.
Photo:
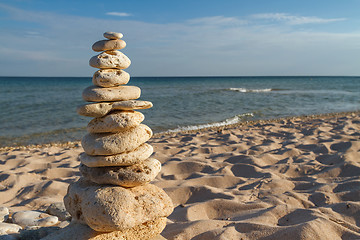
column 183, row 38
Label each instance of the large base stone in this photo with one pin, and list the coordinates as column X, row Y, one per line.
column 76, row 231
column 107, row 208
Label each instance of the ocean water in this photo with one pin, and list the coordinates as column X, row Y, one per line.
column 43, row 110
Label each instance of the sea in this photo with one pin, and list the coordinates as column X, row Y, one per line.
column 39, row 110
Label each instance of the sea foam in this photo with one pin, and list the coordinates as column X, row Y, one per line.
column 228, row 121
column 245, row 90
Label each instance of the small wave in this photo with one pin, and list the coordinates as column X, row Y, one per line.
column 245, row 90
column 228, row 121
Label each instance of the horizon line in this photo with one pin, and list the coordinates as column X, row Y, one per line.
column 191, row 76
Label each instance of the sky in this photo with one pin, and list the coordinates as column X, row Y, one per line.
column 183, row 38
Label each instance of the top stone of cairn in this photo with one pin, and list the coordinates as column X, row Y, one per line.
column 113, row 35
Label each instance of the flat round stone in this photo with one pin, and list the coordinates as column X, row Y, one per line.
column 34, row 218
column 110, row 77
column 120, row 93
column 115, row 143
column 136, row 156
column 106, row 45
column 7, row 228
column 103, row 108
column 107, row 208
column 115, row 122
column 110, row 59
column 130, row 176
column 113, row 35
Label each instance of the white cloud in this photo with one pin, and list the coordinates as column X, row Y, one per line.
column 294, row 20
column 119, row 14
column 216, row 20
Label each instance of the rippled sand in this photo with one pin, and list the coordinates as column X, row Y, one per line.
column 295, row 178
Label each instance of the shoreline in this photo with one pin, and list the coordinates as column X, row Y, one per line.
column 75, row 144
column 261, row 121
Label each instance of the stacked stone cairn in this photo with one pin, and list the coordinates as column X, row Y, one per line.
column 114, row 193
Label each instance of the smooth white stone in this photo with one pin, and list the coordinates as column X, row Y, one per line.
column 9, row 228
column 108, row 45
column 34, row 218
column 113, row 35
column 4, row 214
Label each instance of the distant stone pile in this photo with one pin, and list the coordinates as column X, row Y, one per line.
column 114, row 193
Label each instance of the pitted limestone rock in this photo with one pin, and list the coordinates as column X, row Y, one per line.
column 110, row 77
column 110, row 59
column 130, row 176
column 115, row 143
column 108, row 208
column 115, row 122
column 120, row 93
column 136, row 156
column 146, row 231
column 103, row 108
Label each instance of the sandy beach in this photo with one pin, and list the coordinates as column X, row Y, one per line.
column 294, row 178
